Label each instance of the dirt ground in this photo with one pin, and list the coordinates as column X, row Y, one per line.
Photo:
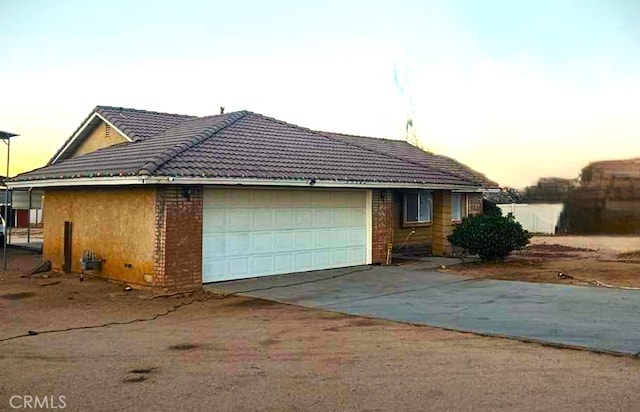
column 233, row 353
column 610, row 262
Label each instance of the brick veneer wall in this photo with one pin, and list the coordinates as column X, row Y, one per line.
column 382, row 224
column 441, row 225
column 475, row 203
column 178, row 244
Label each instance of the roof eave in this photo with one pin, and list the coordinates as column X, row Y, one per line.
column 215, row 181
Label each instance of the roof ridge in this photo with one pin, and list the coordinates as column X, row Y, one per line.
column 153, row 164
column 401, row 158
column 131, row 109
column 386, row 139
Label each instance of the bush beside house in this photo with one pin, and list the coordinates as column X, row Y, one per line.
column 491, row 237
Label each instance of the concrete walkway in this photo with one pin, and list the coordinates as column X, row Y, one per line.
column 604, row 320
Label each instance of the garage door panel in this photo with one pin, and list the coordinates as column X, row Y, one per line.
column 340, row 237
column 237, row 243
column 357, row 254
column 238, row 266
column 322, row 218
column 303, row 239
column 341, row 199
column 238, row 220
column 303, row 217
column 322, row 238
column 303, row 260
column 283, row 199
column 214, row 244
column 214, row 197
column 300, row 199
column 322, row 258
column 262, row 232
column 356, row 215
column 283, row 241
column 215, row 220
column 340, row 257
column 240, row 198
column 214, row 268
column 262, row 264
column 341, row 217
column 264, row 219
column 283, row 263
column 322, row 199
column 262, row 198
column 284, row 218
column 357, row 236
column 262, row 242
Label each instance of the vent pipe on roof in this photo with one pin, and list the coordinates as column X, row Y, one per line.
column 221, row 109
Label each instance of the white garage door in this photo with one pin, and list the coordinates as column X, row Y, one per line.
column 259, row 232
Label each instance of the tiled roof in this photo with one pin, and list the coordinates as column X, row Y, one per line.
column 261, row 147
column 130, row 158
column 405, row 151
column 249, row 145
column 140, row 124
column 135, row 124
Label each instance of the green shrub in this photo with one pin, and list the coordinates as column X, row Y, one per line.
column 490, row 208
column 492, row 237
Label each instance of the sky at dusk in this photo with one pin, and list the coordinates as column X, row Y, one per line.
column 515, row 89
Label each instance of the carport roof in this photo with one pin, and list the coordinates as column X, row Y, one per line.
column 243, row 145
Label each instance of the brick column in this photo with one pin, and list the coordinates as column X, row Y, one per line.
column 441, row 224
column 382, row 224
column 178, row 244
column 475, row 203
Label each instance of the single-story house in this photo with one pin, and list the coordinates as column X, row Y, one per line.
column 173, row 201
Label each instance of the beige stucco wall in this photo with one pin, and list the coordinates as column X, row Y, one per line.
column 116, row 223
column 101, row 136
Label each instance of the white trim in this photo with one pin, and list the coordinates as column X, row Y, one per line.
column 82, row 130
column 304, row 183
column 132, row 180
column 84, row 181
column 369, row 229
column 127, row 138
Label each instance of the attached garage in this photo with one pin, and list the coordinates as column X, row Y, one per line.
column 260, row 232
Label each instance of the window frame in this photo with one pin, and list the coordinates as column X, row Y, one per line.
column 464, row 206
column 405, row 202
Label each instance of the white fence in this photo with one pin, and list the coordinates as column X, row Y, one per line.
column 536, row 218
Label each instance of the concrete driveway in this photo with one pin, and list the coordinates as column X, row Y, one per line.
column 599, row 319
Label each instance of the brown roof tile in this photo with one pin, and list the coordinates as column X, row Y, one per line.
column 249, row 145
column 135, row 124
column 405, row 151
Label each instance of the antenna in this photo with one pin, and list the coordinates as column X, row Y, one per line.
column 403, row 87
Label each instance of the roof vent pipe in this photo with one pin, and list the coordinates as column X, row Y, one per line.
column 221, row 109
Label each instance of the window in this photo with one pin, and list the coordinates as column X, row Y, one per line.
column 418, row 207
column 458, row 203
